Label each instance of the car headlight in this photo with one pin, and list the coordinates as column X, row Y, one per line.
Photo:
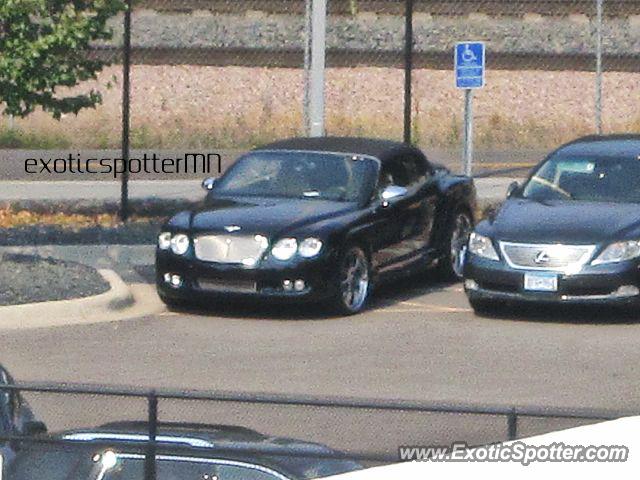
column 285, row 248
column 619, row 252
column 164, row 241
column 179, row 244
column 482, row 246
column 310, row 247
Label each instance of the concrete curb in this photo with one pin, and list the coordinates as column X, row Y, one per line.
column 66, row 312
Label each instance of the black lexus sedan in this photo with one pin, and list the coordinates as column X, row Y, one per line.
column 117, row 451
column 317, row 219
column 570, row 234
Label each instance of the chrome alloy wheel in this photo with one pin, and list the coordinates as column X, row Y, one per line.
column 354, row 279
column 462, row 228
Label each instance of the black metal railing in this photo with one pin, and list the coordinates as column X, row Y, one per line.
column 512, row 414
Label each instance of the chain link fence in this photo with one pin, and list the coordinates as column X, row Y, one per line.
column 230, row 74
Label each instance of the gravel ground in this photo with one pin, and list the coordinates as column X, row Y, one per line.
column 30, row 279
column 132, row 234
column 433, row 33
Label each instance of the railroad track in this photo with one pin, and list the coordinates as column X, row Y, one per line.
column 221, row 57
column 396, row 7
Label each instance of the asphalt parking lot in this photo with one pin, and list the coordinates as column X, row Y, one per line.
column 418, row 341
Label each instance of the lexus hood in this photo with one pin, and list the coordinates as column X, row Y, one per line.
column 528, row 221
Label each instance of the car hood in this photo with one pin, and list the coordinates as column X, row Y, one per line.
column 269, row 216
column 528, row 221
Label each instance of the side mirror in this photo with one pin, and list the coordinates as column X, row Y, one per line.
column 208, row 184
column 33, row 427
column 513, row 188
column 392, row 192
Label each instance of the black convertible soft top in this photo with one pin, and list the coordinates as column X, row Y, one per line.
column 384, row 150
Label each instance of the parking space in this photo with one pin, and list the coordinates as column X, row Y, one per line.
column 418, row 340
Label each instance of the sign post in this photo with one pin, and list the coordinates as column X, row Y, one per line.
column 469, row 62
column 318, row 51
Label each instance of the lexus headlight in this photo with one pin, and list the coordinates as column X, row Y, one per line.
column 179, row 244
column 619, row 252
column 482, row 246
column 164, row 241
column 285, row 249
column 310, row 247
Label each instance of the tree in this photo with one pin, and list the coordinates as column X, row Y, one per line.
column 44, row 45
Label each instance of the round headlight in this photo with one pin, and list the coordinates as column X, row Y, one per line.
column 310, row 247
column 285, row 249
column 164, row 241
column 180, row 244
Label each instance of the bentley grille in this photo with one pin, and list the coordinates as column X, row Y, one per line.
column 238, row 249
column 227, row 286
column 546, row 257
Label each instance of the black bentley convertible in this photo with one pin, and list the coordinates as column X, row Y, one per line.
column 317, row 219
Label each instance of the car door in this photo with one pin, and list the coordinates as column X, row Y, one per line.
column 422, row 196
column 386, row 234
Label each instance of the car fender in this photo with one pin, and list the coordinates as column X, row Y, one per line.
column 458, row 192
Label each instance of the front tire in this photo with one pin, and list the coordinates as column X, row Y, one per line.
column 457, row 236
column 353, row 282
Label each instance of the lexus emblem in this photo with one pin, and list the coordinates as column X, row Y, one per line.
column 232, row 228
column 542, row 258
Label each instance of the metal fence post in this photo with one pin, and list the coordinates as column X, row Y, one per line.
column 599, row 72
column 408, row 68
column 307, row 66
column 318, row 47
column 468, row 131
column 126, row 110
column 150, row 458
column 512, row 425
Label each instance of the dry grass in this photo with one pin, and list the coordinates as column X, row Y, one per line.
column 24, row 218
column 218, row 107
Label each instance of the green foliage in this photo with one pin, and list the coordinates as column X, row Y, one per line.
column 44, row 45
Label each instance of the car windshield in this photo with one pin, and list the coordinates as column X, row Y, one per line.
column 312, row 175
column 63, row 462
column 185, row 468
column 586, row 179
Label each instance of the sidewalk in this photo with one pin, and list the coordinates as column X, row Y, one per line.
column 489, row 188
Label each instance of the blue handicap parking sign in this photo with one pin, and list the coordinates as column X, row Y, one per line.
column 469, row 64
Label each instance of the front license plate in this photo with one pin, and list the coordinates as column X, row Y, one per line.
column 541, row 282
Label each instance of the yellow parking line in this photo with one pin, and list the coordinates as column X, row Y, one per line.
column 449, row 309
column 506, row 165
column 424, row 309
column 412, row 304
column 432, row 306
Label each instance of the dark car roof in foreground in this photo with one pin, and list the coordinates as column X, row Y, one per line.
column 374, row 147
column 205, row 441
column 604, row 145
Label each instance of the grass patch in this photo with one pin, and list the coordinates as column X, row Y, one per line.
column 248, row 130
column 17, row 138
